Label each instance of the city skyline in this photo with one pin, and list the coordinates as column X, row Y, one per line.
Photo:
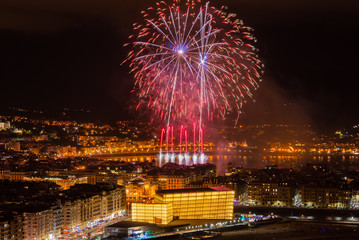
column 186, row 119
column 65, row 54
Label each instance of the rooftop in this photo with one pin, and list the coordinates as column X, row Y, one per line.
column 192, row 190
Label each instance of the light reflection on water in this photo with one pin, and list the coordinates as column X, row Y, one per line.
column 345, row 163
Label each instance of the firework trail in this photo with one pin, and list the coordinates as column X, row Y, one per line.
column 192, row 61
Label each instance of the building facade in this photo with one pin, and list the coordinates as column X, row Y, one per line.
column 11, row 227
column 140, row 190
column 271, row 194
column 72, row 214
column 173, row 181
column 325, row 196
column 14, row 176
column 187, row 203
column 199, row 203
column 161, row 213
column 38, row 224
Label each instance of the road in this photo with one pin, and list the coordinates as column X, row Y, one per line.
column 295, row 231
column 303, row 213
column 97, row 230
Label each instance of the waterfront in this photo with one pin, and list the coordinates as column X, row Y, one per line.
column 337, row 162
column 295, row 231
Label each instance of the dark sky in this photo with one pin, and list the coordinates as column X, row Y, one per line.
column 68, row 53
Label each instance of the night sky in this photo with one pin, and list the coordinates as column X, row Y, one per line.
column 68, row 53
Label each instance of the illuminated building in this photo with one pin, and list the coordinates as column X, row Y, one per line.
column 90, row 209
column 38, row 224
column 68, row 150
column 64, row 183
column 14, row 146
column 188, row 203
column 57, row 220
column 153, row 213
column 329, row 196
column 5, row 125
column 199, row 203
column 14, row 176
column 11, row 227
column 270, row 193
column 67, row 183
column 113, row 202
column 72, row 214
column 126, row 177
column 140, row 190
column 94, row 178
column 94, row 208
column 354, row 202
column 173, row 181
column 85, row 205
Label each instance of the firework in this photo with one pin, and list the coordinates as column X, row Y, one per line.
column 193, row 61
column 181, row 153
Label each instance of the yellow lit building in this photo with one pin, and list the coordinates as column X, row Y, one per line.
column 188, row 203
column 199, row 203
column 94, row 178
column 173, row 181
column 140, row 190
column 161, row 213
column 65, row 183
